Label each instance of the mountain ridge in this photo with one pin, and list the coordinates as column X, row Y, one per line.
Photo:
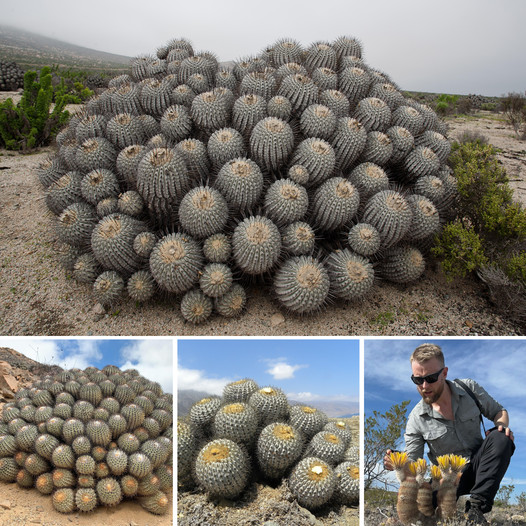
column 32, row 50
column 333, row 409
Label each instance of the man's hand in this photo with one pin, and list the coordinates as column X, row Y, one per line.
column 387, row 460
column 507, row 431
column 503, row 429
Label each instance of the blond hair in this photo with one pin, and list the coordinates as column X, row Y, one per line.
column 427, row 351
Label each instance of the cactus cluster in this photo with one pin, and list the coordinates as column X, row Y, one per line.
column 252, row 433
column 11, row 76
column 306, row 166
column 415, row 495
column 90, row 438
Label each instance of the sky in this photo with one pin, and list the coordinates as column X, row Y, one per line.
column 499, row 365
column 307, row 370
column 153, row 358
column 472, row 46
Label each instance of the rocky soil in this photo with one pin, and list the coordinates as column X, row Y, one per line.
column 503, row 516
column 263, row 505
column 27, row 507
column 37, row 297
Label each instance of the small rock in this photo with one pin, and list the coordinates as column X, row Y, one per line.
column 277, row 319
column 98, row 311
column 5, row 504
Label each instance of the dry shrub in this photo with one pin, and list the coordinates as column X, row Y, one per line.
column 472, row 136
column 514, row 108
column 509, row 296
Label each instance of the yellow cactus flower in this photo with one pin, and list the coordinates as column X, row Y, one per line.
column 436, row 474
column 444, row 462
column 399, row 459
column 421, row 466
column 457, row 463
column 413, row 466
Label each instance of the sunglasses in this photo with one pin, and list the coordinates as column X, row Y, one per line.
column 430, row 378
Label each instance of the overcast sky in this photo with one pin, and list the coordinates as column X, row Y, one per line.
column 466, row 46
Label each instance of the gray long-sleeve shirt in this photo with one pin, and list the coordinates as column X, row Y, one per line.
column 460, row 436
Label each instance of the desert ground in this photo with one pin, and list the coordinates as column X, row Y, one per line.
column 38, row 298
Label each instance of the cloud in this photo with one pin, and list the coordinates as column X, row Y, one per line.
column 153, row 359
column 79, row 353
column 281, row 370
column 195, row 379
column 68, row 354
column 387, row 363
column 42, row 351
column 513, row 480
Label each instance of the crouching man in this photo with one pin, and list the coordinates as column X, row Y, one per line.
column 448, row 419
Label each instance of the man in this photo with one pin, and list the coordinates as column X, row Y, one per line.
column 447, row 419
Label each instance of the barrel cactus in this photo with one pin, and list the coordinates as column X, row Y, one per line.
column 185, row 162
column 86, row 460
column 253, row 435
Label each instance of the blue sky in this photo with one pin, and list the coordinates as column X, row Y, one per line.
column 308, row 370
column 499, row 365
column 153, row 358
column 472, row 46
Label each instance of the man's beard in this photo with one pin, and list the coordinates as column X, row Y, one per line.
column 431, row 399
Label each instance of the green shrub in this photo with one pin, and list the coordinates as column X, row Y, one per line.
column 482, row 183
column 460, row 248
column 32, row 123
column 445, row 104
column 489, row 226
column 442, row 108
column 383, row 431
column 380, row 497
column 515, row 266
column 489, row 106
column 72, row 84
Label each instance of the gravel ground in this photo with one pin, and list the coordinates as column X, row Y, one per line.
column 38, row 298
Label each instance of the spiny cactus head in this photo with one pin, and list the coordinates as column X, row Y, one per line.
column 318, row 471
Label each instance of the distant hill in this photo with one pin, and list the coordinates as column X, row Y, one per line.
column 187, row 397
column 33, row 51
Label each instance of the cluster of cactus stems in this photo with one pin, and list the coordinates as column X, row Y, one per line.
column 415, row 496
column 304, row 167
column 90, row 438
column 254, row 434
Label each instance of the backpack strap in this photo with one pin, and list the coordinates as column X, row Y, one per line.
column 474, row 398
